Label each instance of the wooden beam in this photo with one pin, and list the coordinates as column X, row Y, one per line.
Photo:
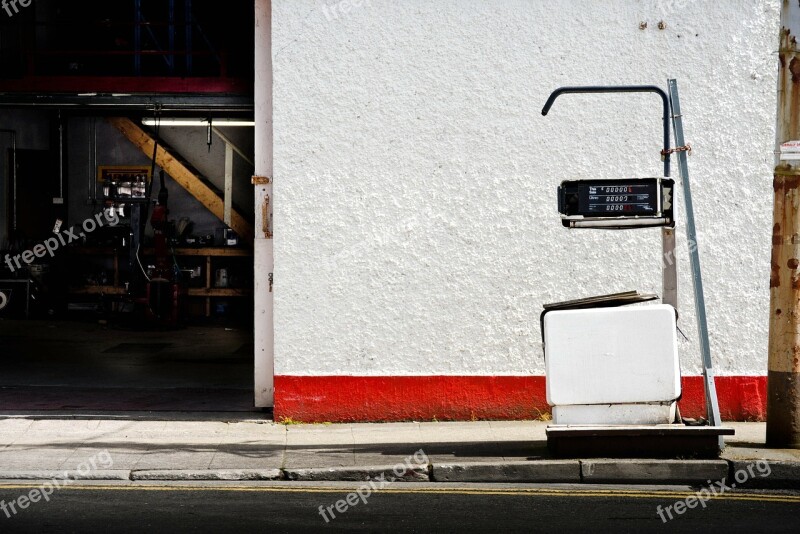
column 205, row 251
column 183, row 176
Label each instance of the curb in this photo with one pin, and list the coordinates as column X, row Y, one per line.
column 780, row 475
column 553, row 471
column 103, row 474
column 199, row 474
column 412, row 473
column 691, row 472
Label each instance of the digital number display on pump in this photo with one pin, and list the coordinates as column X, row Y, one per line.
column 644, row 201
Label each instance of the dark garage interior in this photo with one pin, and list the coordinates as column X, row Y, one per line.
column 126, row 209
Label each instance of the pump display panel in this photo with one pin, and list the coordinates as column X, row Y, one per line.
column 620, row 203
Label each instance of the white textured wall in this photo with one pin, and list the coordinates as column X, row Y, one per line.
column 415, row 208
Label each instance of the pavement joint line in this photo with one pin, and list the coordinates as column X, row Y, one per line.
column 353, row 443
column 283, row 451
column 532, row 492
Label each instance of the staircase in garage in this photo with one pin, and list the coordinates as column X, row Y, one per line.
column 184, row 174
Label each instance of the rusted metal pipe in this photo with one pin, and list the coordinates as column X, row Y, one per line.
column 783, row 388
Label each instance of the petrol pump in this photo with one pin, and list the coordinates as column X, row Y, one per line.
column 612, row 363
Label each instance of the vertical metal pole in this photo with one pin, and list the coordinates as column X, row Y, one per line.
column 188, row 36
column 228, row 196
column 14, row 186
column 90, row 182
column 712, row 406
column 135, row 235
column 60, row 157
column 171, row 37
column 669, row 263
column 262, row 247
column 94, row 159
column 137, row 37
column 13, row 171
column 783, row 380
column 208, row 285
column 92, row 193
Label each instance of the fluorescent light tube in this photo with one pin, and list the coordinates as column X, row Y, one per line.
column 197, row 122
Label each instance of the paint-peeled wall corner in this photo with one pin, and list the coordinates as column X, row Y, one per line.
column 417, row 232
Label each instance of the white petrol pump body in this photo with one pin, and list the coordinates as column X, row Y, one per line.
column 612, row 365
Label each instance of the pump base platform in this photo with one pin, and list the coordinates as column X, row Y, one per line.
column 636, row 441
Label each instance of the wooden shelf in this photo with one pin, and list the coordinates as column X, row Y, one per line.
column 218, row 292
column 94, row 251
column 208, row 253
column 200, row 251
column 193, row 291
column 205, row 251
column 98, row 290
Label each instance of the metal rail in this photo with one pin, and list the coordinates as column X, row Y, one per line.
column 621, row 89
column 712, row 405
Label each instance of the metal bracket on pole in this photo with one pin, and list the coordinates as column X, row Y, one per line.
column 712, row 405
column 669, row 268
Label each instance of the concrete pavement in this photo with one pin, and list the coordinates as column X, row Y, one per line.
column 232, row 447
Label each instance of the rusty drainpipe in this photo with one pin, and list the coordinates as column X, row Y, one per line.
column 783, row 386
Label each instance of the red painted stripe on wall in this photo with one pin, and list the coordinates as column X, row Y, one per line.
column 464, row 398
column 741, row 398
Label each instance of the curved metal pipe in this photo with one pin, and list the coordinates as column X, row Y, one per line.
column 621, row 89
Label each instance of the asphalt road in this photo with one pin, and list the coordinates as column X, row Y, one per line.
column 221, row 507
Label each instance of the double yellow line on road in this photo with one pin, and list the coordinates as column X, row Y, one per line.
column 512, row 492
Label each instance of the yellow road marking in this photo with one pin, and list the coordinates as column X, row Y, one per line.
column 447, row 491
